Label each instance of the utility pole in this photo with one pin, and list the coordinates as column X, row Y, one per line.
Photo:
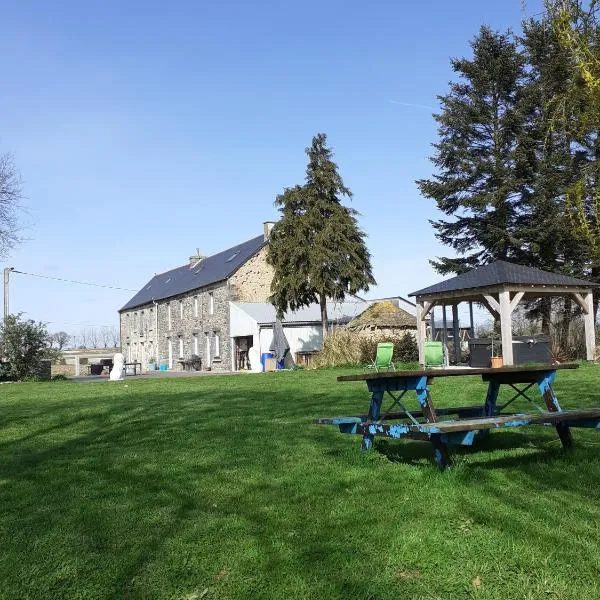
column 7, row 271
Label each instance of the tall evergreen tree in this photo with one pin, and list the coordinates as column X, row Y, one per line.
column 481, row 166
column 316, row 249
column 547, row 238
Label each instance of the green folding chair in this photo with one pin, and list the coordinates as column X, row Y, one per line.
column 383, row 358
column 434, row 354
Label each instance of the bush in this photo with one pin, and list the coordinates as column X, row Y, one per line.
column 25, row 344
column 60, row 377
column 351, row 348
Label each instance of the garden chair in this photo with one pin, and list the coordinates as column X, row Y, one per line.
column 434, row 354
column 383, row 358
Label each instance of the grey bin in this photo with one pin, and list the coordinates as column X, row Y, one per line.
column 480, row 352
column 531, row 349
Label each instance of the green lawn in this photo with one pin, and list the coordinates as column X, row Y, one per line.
column 220, row 487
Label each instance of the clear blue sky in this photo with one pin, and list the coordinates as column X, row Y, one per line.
column 146, row 129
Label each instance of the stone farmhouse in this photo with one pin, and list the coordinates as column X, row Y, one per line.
column 217, row 308
column 186, row 310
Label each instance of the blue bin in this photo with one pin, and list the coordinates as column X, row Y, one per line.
column 263, row 358
column 163, row 367
column 265, row 355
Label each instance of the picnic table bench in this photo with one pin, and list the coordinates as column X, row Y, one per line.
column 470, row 421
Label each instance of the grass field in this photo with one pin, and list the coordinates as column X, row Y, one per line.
column 220, row 487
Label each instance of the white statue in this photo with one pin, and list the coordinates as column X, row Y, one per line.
column 118, row 371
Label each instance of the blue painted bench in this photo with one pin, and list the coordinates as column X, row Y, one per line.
column 470, row 421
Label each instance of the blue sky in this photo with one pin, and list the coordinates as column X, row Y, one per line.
column 144, row 130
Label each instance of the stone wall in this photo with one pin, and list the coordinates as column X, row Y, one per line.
column 140, row 340
column 198, row 333
column 252, row 281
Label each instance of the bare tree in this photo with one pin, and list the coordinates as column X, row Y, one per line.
column 115, row 336
column 105, row 336
column 10, row 197
column 93, row 337
column 83, row 338
column 59, row 340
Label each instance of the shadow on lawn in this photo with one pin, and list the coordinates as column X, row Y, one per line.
column 541, row 446
column 164, row 488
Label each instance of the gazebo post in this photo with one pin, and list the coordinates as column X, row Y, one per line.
column 590, row 327
column 445, row 334
column 506, row 327
column 472, row 327
column 456, row 333
column 421, row 332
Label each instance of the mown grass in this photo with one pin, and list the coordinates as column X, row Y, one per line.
column 220, row 487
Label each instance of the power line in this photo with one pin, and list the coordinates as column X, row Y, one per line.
column 100, row 285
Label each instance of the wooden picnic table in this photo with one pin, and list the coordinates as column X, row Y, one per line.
column 425, row 423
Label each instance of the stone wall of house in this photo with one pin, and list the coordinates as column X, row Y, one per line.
column 188, row 330
column 252, row 281
column 194, row 333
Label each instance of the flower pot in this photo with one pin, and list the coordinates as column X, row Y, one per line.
column 496, row 362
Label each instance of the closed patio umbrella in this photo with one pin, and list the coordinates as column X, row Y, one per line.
column 280, row 347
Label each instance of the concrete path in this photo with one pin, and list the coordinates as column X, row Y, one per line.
column 151, row 375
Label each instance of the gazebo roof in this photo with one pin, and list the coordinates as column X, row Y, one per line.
column 501, row 273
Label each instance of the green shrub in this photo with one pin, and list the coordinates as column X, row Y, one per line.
column 60, row 377
column 26, row 345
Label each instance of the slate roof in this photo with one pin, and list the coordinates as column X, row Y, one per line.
column 502, row 272
column 185, row 279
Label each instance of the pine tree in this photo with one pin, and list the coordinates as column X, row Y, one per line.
column 316, row 249
column 481, row 166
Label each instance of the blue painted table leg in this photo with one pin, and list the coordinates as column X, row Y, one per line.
column 374, row 411
column 545, row 387
column 440, row 449
column 489, row 409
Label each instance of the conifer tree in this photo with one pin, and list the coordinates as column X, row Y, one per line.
column 316, row 249
column 481, row 165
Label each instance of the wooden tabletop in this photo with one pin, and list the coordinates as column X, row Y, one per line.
column 452, row 372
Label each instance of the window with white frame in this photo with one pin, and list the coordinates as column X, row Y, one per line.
column 195, row 306
column 169, row 316
column 196, row 344
column 181, row 309
column 207, row 348
column 211, row 303
column 217, row 345
column 180, row 347
column 170, row 348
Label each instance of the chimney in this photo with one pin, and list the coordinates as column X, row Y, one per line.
column 196, row 258
column 267, row 227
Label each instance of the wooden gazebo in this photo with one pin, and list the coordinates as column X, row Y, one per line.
column 500, row 286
